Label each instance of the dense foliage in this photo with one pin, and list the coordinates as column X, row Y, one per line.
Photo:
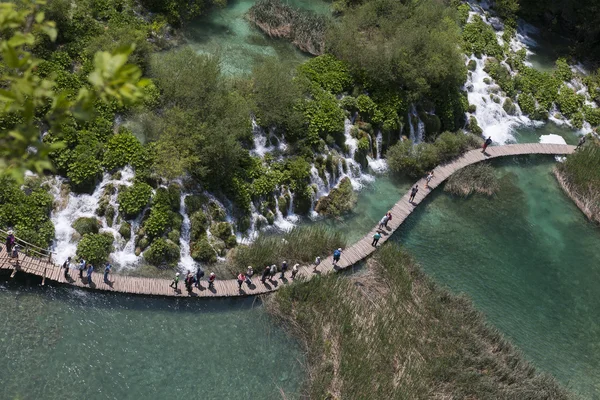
column 94, row 248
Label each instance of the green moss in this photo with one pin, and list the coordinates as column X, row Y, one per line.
column 509, row 107
column 123, row 149
column 195, row 203
column 221, row 230
column 339, row 201
column 162, row 252
column 217, row 213
column 132, row 200
column 480, row 38
column 85, row 225
column 327, row 72
column 202, row 251
column 474, row 126
column 472, row 65
column 125, row 230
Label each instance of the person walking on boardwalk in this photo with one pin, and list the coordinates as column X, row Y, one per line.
column 284, row 268
column 272, row 272
column 107, row 269
column 240, row 278
column 66, row 266
column 383, row 221
column 249, row 274
column 336, row 256
column 10, row 242
column 211, row 280
column 389, row 215
column 90, row 269
column 189, row 282
column 295, row 270
column 175, row 281
column 376, row 238
column 265, row 274
column 487, row 142
column 81, row 268
column 581, row 143
column 317, row 262
column 413, row 193
column 428, row 179
column 199, row 276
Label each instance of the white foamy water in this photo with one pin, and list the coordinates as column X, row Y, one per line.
column 85, row 205
column 378, row 165
column 186, row 262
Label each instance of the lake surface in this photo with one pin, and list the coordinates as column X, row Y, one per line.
column 529, row 260
column 71, row 344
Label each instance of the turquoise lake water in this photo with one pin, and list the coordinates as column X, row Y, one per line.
column 527, row 257
column 70, row 344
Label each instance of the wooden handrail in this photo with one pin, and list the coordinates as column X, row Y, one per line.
column 29, row 247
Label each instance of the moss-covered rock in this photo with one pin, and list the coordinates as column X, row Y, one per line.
column 202, row 251
column 95, row 248
column 199, row 223
column 221, row 230
column 339, row 201
column 283, row 205
column 110, row 215
column 509, row 107
column 472, row 65
column 217, row 213
column 85, row 225
column 125, row 230
column 195, row 203
column 174, row 236
column 162, row 252
column 474, row 126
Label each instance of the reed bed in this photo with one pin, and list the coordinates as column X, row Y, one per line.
column 392, row 333
column 478, row 178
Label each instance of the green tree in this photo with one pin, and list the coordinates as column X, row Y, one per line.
column 30, row 102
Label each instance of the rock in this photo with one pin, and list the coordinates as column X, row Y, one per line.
column 496, row 23
column 509, row 107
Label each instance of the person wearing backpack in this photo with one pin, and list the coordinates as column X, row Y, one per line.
column 487, row 142
column 175, row 281
column 10, row 242
column 265, row 274
column 66, row 265
column 107, row 269
column 199, row 276
column 273, row 271
column 284, row 268
column 336, row 256
column 376, row 238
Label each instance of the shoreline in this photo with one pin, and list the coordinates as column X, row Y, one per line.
column 579, row 201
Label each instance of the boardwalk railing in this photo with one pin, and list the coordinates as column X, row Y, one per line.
column 42, row 264
column 30, row 249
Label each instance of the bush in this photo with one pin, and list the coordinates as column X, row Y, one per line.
column 324, row 116
column 480, row 38
column 451, row 145
column 195, row 203
column 509, row 107
column 95, row 248
column 133, row 199
column 199, row 223
column 85, row 225
column 569, row 102
column 328, row 72
column 202, row 251
column 479, row 178
column 222, row 230
column 472, row 65
column 474, row 126
column 162, row 252
column 125, row 230
column 122, row 149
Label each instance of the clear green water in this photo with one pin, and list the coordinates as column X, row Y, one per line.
column 240, row 45
column 70, row 344
column 529, row 260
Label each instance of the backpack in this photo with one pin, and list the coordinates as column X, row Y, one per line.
column 337, row 253
column 273, row 269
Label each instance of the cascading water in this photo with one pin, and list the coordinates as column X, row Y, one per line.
column 285, row 224
column 85, row 205
column 416, row 135
column 353, row 170
column 378, row 164
column 186, row 262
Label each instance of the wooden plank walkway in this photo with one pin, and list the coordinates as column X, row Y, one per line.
column 228, row 288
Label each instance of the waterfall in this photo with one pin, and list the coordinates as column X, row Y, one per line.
column 378, row 164
column 284, row 224
column 291, row 205
column 85, row 205
column 354, row 171
column 416, row 136
column 186, row 262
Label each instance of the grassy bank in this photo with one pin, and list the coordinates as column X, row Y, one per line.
column 392, row 333
column 579, row 176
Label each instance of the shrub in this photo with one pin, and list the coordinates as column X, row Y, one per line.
column 328, row 72
column 95, row 248
column 472, row 65
column 527, row 103
column 217, row 213
column 122, row 149
column 222, row 230
column 324, row 116
column 474, row 126
column 479, row 178
column 195, row 203
column 162, row 252
column 509, row 107
column 85, row 225
column 133, row 199
column 450, row 145
column 563, row 71
column 568, row 101
column 480, row 38
column 202, row 251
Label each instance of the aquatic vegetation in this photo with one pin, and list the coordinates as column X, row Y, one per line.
column 132, row 200
column 162, row 252
column 479, row 178
column 338, row 317
column 339, row 201
column 480, row 38
column 85, row 225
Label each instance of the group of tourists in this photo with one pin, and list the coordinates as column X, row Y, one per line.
column 86, row 267
column 193, row 280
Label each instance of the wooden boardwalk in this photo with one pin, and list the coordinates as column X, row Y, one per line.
column 227, row 288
